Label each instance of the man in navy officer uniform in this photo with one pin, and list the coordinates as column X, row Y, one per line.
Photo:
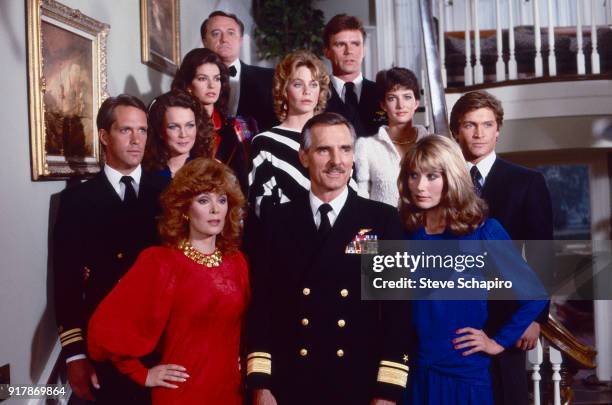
column 311, row 339
column 102, row 226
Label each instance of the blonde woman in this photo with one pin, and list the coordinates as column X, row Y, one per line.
column 453, row 352
column 300, row 89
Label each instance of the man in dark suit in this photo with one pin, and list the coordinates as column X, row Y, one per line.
column 352, row 95
column 250, row 86
column 519, row 199
column 311, row 339
column 102, row 226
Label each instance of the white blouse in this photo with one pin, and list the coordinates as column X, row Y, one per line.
column 377, row 166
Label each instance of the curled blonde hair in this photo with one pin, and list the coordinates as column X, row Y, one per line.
column 462, row 209
column 196, row 177
column 286, row 69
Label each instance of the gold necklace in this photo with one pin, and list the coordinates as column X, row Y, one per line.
column 212, row 260
column 403, row 142
column 412, row 139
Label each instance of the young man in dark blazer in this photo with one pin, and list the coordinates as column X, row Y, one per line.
column 250, row 86
column 311, row 339
column 102, row 226
column 352, row 95
column 519, row 199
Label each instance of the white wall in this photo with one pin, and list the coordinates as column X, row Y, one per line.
column 27, row 326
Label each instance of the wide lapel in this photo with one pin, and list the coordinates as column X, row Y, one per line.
column 365, row 100
column 103, row 191
column 335, row 103
column 305, row 237
column 242, row 101
column 493, row 179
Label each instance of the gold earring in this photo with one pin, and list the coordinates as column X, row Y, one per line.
column 185, row 217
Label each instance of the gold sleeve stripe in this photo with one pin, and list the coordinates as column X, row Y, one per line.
column 393, row 376
column 71, row 335
column 70, row 332
column 259, row 365
column 67, row 342
column 394, row 365
column 259, row 354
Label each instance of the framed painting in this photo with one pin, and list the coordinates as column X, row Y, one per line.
column 67, row 84
column 160, row 34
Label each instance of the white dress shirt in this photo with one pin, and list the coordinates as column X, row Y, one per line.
column 484, row 166
column 339, row 86
column 336, row 204
column 234, row 83
column 114, row 177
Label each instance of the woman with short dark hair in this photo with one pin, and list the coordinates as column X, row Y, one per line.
column 377, row 158
column 186, row 300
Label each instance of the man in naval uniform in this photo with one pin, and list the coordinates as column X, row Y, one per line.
column 102, row 226
column 311, row 339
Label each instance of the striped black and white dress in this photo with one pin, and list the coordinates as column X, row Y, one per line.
column 276, row 176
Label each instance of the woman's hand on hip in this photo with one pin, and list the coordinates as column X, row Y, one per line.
column 163, row 375
column 477, row 341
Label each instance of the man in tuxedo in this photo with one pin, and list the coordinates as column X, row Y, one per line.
column 311, row 339
column 519, row 199
column 102, row 226
column 250, row 86
column 352, row 95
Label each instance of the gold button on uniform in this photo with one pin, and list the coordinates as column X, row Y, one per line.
column 305, row 321
column 341, row 323
column 306, row 291
column 119, row 255
column 344, row 293
column 303, row 352
column 340, row 353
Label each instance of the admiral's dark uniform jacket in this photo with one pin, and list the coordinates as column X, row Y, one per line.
column 311, row 339
column 368, row 121
column 96, row 240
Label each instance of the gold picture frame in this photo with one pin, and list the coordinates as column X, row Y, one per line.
column 160, row 34
column 67, row 83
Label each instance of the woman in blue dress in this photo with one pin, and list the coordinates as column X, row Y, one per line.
column 450, row 360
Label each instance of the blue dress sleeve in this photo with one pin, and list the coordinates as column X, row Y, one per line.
column 528, row 289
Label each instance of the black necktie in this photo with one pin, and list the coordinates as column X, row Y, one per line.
column 350, row 100
column 325, row 225
column 476, row 178
column 232, row 71
column 129, row 197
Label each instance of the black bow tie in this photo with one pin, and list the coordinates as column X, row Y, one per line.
column 232, row 71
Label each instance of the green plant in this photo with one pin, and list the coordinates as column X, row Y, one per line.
column 283, row 26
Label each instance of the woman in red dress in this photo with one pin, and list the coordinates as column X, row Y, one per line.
column 186, row 300
column 203, row 74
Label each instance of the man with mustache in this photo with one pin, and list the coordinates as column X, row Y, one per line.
column 311, row 339
column 250, row 86
column 353, row 96
column 519, row 199
column 102, row 226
